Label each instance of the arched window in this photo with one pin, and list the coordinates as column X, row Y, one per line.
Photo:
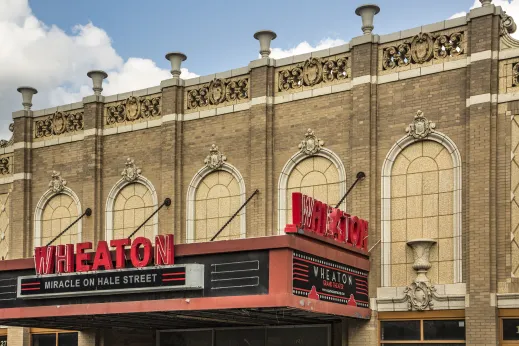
column 56, row 210
column 421, row 198
column 320, row 175
column 215, row 193
column 130, row 202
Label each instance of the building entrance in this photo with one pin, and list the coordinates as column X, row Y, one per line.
column 307, row 335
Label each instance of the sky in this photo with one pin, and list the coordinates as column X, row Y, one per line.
column 52, row 44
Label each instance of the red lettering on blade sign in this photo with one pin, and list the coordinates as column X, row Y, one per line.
column 61, row 258
column 146, row 254
column 65, row 258
column 314, row 216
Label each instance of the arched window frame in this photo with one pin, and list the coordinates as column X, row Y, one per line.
column 191, row 197
column 110, row 204
column 38, row 214
column 387, row 167
column 287, row 170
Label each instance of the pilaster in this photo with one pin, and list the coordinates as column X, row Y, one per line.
column 17, row 336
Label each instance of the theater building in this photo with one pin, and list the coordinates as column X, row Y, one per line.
column 366, row 194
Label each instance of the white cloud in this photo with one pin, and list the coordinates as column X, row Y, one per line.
column 305, row 47
column 55, row 63
column 510, row 6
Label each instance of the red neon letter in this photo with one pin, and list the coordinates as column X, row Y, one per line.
column 102, row 257
column 297, row 219
column 146, row 255
column 65, row 258
column 44, row 259
column 120, row 258
column 317, row 218
column 82, row 256
column 363, row 233
column 164, row 250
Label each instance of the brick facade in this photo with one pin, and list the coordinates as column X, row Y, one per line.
column 359, row 117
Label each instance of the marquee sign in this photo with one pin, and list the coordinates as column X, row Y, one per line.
column 67, row 270
column 309, row 214
column 318, row 278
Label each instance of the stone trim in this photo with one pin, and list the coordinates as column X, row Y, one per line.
column 136, row 93
column 289, row 167
column 45, row 198
column 191, row 197
column 445, row 297
column 7, row 150
column 507, row 300
column 65, row 108
column 483, row 98
column 110, row 201
column 398, row 147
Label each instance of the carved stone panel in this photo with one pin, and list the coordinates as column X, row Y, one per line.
column 421, row 50
column 6, row 165
column 217, row 93
column 58, row 124
column 313, row 73
column 509, row 75
column 133, row 109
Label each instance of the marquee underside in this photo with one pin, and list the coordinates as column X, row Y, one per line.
column 179, row 319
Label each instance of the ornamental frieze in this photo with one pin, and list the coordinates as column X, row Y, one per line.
column 6, row 164
column 423, row 48
column 133, row 109
column 59, row 123
column 219, row 92
column 313, row 72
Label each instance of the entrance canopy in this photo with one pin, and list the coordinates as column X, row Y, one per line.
column 289, row 279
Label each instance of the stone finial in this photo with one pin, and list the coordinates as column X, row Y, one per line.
column 421, row 127
column 485, row 2
column 367, row 13
column 311, row 144
column 27, row 93
column 176, row 58
column 97, row 80
column 265, row 37
column 215, row 159
column 57, row 183
column 131, row 172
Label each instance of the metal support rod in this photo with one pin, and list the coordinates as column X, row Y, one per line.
column 167, row 203
column 87, row 212
column 360, row 176
column 235, row 214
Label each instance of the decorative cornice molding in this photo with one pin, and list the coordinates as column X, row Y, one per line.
column 215, row 159
column 131, row 172
column 57, row 183
column 311, row 144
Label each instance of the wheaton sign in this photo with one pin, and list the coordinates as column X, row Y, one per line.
column 67, row 270
column 311, row 215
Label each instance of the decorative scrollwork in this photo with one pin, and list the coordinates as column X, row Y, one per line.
column 515, row 74
column 5, row 165
column 421, row 127
column 422, row 48
column 58, row 124
column 57, row 183
column 3, row 142
column 311, row 144
column 419, row 296
column 133, row 109
column 217, row 92
column 131, row 172
column 313, row 72
column 215, row 159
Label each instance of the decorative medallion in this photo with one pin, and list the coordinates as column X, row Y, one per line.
column 132, row 108
column 4, row 166
column 312, row 72
column 422, row 48
column 131, row 172
column 58, row 123
column 57, row 183
column 419, row 296
column 216, row 92
column 420, row 127
column 311, row 144
column 215, row 159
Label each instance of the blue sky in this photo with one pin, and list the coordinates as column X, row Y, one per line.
column 52, row 44
column 217, row 35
